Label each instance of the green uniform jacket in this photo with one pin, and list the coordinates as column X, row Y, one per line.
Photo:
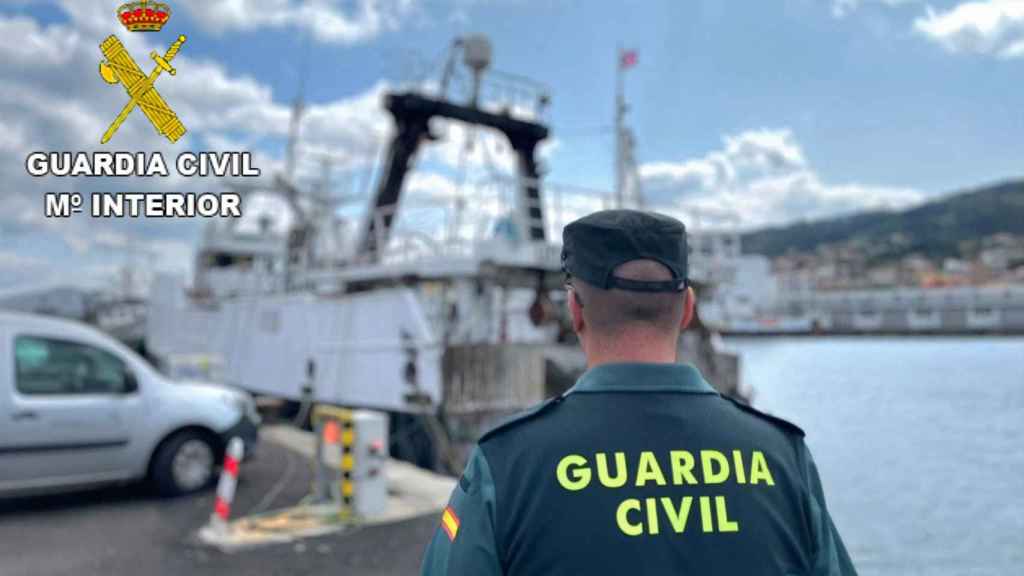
column 639, row 469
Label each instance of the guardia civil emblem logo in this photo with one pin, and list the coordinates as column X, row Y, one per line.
column 118, row 67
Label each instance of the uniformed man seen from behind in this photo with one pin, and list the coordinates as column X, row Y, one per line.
column 641, row 467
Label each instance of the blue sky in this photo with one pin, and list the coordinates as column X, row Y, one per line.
column 747, row 113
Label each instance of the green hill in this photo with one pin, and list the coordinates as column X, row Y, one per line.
column 938, row 229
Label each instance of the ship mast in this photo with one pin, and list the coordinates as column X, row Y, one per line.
column 413, row 112
column 627, row 181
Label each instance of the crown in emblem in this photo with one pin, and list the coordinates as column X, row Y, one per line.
column 144, row 16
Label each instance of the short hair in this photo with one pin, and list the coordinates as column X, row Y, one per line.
column 616, row 309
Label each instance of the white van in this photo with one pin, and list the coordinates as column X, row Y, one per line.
column 78, row 408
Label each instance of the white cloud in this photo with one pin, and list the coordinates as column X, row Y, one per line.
column 1015, row 50
column 45, row 48
column 842, row 8
column 433, row 185
column 327, row 20
column 757, row 178
column 769, row 150
column 986, row 27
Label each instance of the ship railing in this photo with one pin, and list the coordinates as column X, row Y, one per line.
column 499, row 92
column 519, row 96
column 498, row 212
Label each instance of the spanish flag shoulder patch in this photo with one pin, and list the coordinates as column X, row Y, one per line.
column 450, row 523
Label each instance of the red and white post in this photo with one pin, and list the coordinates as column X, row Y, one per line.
column 226, row 486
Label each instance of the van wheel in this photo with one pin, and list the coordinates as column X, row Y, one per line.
column 184, row 464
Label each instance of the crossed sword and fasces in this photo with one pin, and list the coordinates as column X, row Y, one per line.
column 120, row 67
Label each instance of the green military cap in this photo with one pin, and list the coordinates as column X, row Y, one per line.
column 593, row 246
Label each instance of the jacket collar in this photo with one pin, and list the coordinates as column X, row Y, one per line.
column 637, row 377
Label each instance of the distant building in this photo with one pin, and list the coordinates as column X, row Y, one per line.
column 884, row 276
column 955, row 267
column 996, row 258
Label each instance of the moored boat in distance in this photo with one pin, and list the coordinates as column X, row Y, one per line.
column 747, row 298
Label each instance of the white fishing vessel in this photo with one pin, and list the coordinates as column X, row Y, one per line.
column 447, row 334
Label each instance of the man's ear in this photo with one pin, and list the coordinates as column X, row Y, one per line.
column 689, row 304
column 575, row 310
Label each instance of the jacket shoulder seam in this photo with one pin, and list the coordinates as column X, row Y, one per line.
column 780, row 422
column 522, row 417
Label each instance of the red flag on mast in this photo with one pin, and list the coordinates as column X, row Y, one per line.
column 628, row 59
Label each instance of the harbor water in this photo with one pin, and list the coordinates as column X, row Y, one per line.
column 919, row 441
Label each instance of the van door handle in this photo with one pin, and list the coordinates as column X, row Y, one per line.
column 24, row 415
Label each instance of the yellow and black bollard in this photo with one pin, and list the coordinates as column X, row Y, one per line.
column 348, row 464
column 335, row 462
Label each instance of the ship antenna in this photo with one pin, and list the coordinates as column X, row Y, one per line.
column 627, row 180
column 298, row 109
